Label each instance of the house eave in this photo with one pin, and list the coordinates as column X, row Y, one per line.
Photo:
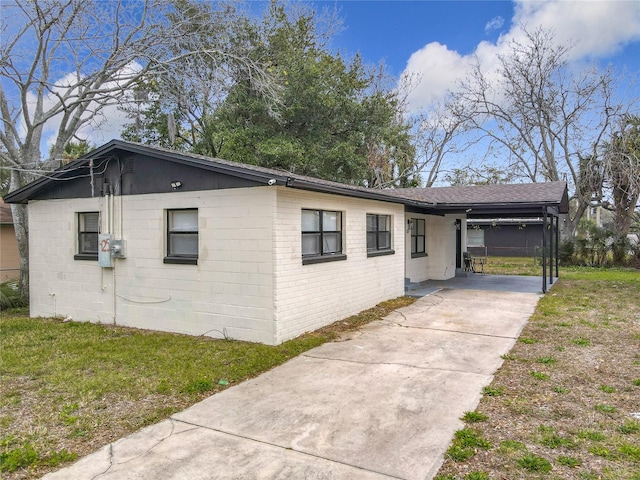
column 379, row 195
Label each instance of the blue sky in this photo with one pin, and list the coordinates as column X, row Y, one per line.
column 437, row 39
column 393, row 30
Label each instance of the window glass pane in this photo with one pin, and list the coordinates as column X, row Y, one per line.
column 420, row 244
column 414, row 245
column 310, row 220
column 384, row 223
column 331, row 221
column 183, row 221
column 88, row 243
column 420, row 226
column 475, row 238
column 372, row 224
column 371, row 241
column 89, row 222
column 310, row 244
column 384, row 240
column 331, row 243
column 186, row 244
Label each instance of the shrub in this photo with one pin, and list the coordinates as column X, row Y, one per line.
column 566, row 252
column 10, row 295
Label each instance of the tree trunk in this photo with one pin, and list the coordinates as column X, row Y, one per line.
column 569, row 224
column 21, row 227
column 20, row 215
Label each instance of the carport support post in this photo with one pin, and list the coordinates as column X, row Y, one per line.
column 551, row 250
column 544, row 250
column 557, row 243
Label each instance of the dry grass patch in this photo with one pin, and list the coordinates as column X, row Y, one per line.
column 513, row 266
column 68, row 388
column 569, row 398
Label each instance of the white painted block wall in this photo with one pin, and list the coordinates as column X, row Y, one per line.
column 229, row 292
column 308, row 297
column 249, row 283
column 440, row 264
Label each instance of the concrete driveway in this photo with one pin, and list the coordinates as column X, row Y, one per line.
column 383, row 403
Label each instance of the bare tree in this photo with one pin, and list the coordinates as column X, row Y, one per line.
column 435, row 133
column 63, row 62
column 539, row 113
column 437, row 136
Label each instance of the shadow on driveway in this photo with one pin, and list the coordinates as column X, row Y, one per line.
column 496, row 283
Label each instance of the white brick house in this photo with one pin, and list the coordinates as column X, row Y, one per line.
column 223, row 249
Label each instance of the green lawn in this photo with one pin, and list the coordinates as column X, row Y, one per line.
column 566, row 401
column 513, row 266
column 68, row 388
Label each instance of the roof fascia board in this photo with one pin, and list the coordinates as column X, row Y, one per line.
column 178, row 157
column 423, row 207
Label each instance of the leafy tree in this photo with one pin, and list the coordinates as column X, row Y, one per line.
column 622, row 172
column 335, row 119
column 338, row 120
column 73, row 151
column 173, row 107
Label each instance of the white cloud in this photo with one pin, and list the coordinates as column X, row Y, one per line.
column 494, row 24
column 105, row 125
column 438, row 68
column 594, row 29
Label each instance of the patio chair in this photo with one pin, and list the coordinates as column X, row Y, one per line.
column 468, row 262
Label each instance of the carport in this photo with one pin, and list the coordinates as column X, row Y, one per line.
column 492, row 283
column 549, row 201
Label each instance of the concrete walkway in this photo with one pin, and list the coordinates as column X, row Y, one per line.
column 496, row 283
column 383, row 403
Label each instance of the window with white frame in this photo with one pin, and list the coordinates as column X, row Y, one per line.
column 418, row 238
column 321, row 236
column 88, row 230
column 182, row 236
column 378, row 234
column 475, row 237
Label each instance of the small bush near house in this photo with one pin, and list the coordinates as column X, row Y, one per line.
column 10, row 296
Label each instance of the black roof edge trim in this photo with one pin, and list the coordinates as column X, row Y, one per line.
column 22, row 194
column 349, row 192
column 179, row 157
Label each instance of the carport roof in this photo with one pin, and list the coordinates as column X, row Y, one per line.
column 482, row 201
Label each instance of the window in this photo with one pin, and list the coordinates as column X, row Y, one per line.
column 182, row 237
column 88, row 229
column 418, row 238
column 475, row 237
column 321, row 236
column 378, row 235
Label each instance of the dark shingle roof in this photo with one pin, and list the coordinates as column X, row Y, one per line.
column 543, row 192
column 522, row 199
